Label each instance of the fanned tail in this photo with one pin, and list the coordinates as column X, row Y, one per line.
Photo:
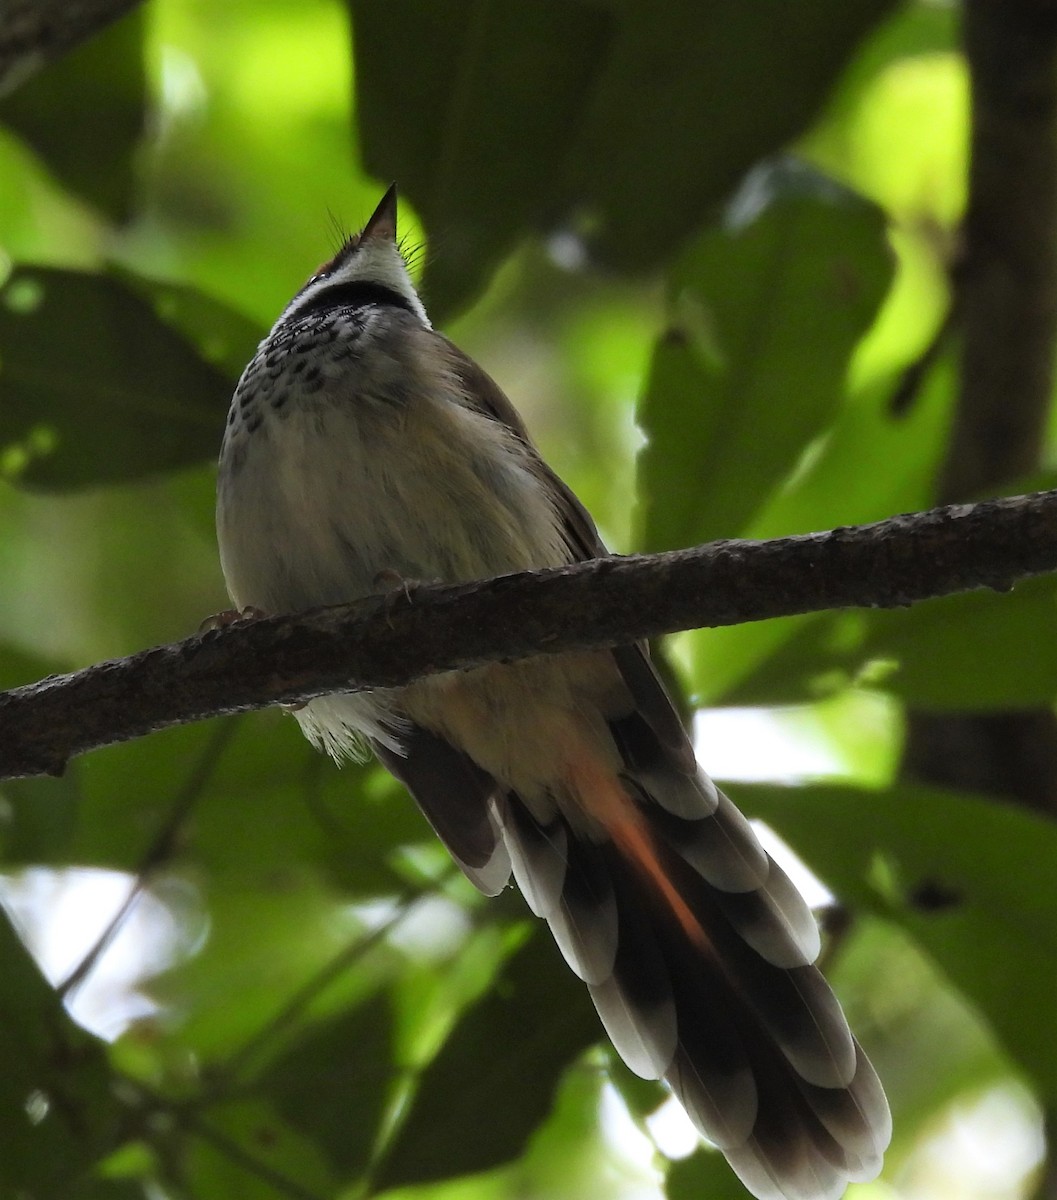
column 696, row 948
column 698, row 953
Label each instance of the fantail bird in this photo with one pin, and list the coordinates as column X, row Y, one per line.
column 363, row 446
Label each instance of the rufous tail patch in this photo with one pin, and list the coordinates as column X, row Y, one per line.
column 603, row 797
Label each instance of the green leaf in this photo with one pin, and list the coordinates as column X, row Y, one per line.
column 477, row 147
column 973, row 652
column 772, row 305
column 345, row 824
column 978, row 651
column 85, row 116
column 56, row 1090
column 790, row 659
column 333, row 1084
column 117, row 396
column 971, row 880
column 40, row 820
column 494, row 1080
column 690, row 99
column 245, row 1150
column 222, row 336
column 625, row 134
column 704, row 1174
column 264, row 946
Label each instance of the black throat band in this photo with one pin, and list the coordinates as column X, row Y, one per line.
column 357, row 293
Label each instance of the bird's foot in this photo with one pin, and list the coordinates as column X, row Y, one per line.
column 231, row 616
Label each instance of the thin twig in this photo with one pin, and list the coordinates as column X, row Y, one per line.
column 294, row 1009
column 155, row 855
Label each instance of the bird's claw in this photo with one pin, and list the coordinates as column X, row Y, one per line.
column 231, row 616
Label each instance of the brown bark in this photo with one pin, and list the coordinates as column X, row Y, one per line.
column 1006, row 313
column 34, row 33
column 388, row 641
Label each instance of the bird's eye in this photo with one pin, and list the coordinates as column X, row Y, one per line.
column 326, row 268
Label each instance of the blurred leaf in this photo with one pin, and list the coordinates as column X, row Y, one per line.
column 56, row 1093
column 494, row 1080
column 571, row 1152
column 486, row 156
column 977, row 651
column 18, row 668
column 223, row 336
column 346, row 824
column 972, row 652
column 85, row 116
column 245, row 1150
column 116, row 397
column 476, row 147
column 704, row 1174
column 642, row 1096
column 770, row 308
column 689, row 102
column 39, row 820
column 850, row 482
column 971, row 880
column 263, row 945
column 930, row 1045
column 333, row 1084
column 913, row 30
column 104, row 1189
column 128, row 792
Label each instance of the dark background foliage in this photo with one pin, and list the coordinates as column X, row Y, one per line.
column 716, row 253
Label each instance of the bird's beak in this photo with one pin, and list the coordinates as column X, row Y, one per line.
column 383, row 220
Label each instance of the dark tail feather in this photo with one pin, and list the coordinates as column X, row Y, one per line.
column 730, row 1012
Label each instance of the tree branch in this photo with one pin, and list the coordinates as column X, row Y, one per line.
column 36, row 32
column 1005, row 308
column 388, row 641
column 1006, row 283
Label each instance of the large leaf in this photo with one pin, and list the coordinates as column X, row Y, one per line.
column 769, row 309
column 978, row 651
column 245, row 1150
column 94, row 387
column 56, row 1091
column 971, row 880
column 704, row 1174
column 644, row 123
column 690, row 100
column 265, row 948
column 476, row 145
column 872, row 464
column 973, row 652
column 85, row 116
column 333, row 1085
column 495, row 1079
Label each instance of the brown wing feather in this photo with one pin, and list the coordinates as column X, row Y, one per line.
column 696, row 948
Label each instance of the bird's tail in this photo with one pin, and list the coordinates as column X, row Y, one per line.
column 698, row 952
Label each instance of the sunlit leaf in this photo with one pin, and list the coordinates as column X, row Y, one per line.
column 970, row 880
column 494, row 1081
column 768, row 309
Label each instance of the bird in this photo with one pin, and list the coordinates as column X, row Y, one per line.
column 362, row 449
